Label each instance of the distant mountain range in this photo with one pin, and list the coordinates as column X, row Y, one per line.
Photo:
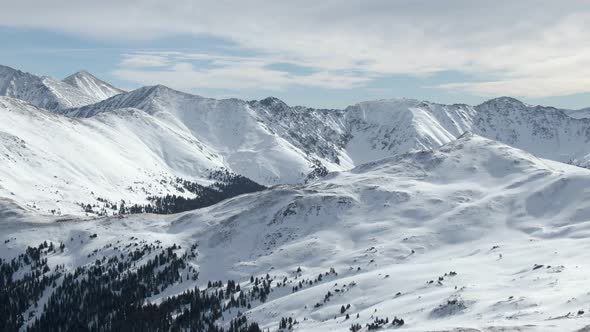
column 72, row 142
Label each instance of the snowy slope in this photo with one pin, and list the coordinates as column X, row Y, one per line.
column 51, row 94
column 321, row 133
column 267, row 140
column 544, row 131
column 378, row 129
column 386, row 127
column 230, row 127
column 92, row 86
column 578, row 114
column 340, row 139
column 51, row 162
column 514, row 229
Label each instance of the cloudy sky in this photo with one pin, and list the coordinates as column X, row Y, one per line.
column 319, row 53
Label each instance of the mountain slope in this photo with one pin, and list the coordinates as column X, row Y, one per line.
column 578, row 114
column 320, row 133
column 544, row 131
column 387, row 127
column 126, row 154
column 267, row 140
column 406, row 236
column 230, row 127
column 49, row 93
column 395, row 126
column 92, row 86
column 340, row 139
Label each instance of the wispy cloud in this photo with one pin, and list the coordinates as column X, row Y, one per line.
column 142, row 60
column 524, row 87
column 176, row 69
column 527, row 47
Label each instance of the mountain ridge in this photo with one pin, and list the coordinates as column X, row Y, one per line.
column 273, row 143
column 91, row 85
column 382, row 215
column 47, row 92
column 433, row 124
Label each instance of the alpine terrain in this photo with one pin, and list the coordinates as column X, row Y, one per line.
column 159, row 210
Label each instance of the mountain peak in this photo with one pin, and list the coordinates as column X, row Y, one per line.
column 504, row 101
column 139, row 98
column 155, row 90
column 6, row 69
column 44, row 92
column 9, row 73
column 81, row 72
column 161, row 87
column 273, row 102
column 91, row 85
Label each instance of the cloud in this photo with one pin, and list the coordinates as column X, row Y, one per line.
column 144, row 60
column 524, row 87
column 224, row 72
column 502, row 43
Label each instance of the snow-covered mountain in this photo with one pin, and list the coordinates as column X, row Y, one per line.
column 230, row 127
column 91, row 85
column 340, row 139
column 77, row 90
column 385, row 209
column 158, row 130
column 543, row 131
column 52, row 162
column 388, row 127
column 408, row 236
column 579, row 114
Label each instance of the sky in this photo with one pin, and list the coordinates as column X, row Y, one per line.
column 316, row 53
